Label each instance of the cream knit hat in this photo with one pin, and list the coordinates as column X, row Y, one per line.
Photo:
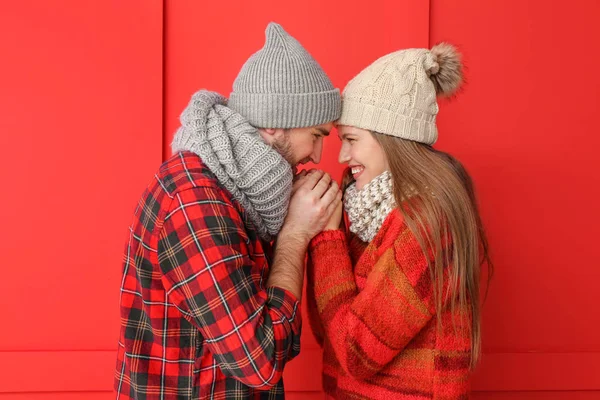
column 396, row 95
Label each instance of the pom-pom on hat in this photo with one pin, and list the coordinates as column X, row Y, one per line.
column 396, row 95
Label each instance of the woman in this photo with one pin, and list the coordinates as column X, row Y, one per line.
column 395, row 301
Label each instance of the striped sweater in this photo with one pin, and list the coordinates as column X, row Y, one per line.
column 371, row 308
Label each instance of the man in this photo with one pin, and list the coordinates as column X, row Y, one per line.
column 207, row 312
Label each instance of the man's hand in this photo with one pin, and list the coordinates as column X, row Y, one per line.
column 299, row 179
column 315, row 198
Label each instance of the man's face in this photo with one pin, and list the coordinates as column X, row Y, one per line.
column 298, row 145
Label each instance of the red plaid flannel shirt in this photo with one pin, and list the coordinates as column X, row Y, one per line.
column 196, row 318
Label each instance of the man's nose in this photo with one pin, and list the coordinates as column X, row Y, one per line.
column 317, row 152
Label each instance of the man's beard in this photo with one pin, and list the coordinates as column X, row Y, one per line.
column 284, row 147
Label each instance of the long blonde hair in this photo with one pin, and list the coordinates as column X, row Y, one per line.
column 444, row 207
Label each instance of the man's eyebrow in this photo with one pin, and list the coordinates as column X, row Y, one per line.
column 323, row 131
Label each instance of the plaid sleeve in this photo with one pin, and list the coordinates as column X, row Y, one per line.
column 366, row 328
column 205, row 257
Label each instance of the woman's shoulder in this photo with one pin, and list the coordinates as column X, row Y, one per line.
column 395, row 235
column 392, row 230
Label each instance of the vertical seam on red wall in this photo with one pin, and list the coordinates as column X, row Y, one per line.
column 164, row 150
column 429, row 25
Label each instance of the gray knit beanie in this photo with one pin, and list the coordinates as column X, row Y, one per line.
column 282, row 86
column 396, row 95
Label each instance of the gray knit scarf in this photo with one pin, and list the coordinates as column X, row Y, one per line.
column 369, row 207
column 253, row 172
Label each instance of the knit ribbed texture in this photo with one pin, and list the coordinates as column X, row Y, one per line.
column 367, row 208
column 282, row 86
column 372, row 307
column 395, row 96
column 253, row 172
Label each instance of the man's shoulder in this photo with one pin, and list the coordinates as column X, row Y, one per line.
column 185, row 171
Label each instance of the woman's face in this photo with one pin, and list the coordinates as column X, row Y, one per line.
column 363, row 154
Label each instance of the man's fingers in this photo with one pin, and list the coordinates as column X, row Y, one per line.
column 298, row 179
column 312, row 178
column 322, row 186
column 330, row 194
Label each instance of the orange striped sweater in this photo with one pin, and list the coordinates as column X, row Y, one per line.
column 371, row 308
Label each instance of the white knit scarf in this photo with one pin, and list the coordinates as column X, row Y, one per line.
column 369, row 207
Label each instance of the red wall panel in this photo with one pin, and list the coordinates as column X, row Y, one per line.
column 81, row 104
column 85, row 99
column 524, row 128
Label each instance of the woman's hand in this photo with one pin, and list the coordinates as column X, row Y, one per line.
column 336, row 218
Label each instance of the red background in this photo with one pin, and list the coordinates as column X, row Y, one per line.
column 90, row 94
